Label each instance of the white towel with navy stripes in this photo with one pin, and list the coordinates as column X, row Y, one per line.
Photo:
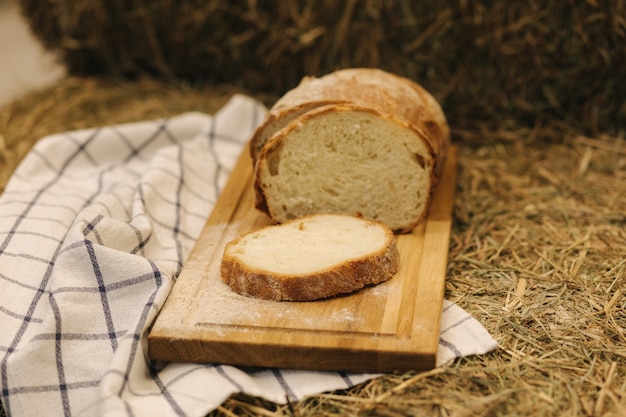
column 95, row 226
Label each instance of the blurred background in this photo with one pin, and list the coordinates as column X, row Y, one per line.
column 495, row 65
column 25, row 65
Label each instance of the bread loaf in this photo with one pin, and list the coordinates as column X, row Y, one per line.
column 361, row 142
column 310, row 258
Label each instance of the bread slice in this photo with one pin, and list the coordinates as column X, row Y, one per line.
column 360, row 142
column 310, row 258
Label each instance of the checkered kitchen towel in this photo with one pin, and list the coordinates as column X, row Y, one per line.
column 95, row 226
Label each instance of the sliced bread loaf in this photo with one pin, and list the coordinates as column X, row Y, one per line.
column 368, row 87
column 310, row 258
column 361, row 142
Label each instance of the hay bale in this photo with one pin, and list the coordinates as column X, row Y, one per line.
column 513, row 65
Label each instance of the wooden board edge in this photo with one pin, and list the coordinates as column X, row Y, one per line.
column 308, row 357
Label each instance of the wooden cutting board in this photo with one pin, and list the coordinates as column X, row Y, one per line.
column 393, row 326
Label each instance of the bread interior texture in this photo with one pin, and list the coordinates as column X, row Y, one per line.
column 267, row 130
column 310, row 246
column 352, row 162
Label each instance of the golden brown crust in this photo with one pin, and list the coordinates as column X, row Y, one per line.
column 379, row 90
column 341, row 279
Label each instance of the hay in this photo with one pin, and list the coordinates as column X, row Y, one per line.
column 537, row 255
column 78, row 103
column 498, row 64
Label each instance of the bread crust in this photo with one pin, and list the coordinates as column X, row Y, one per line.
column 396, row 97
column 343, row 278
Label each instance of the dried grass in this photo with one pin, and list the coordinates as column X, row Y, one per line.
column 495, row 64
column 538, row 255
column 77, row 103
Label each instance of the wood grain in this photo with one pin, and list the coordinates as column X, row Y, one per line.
column 393, row 326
